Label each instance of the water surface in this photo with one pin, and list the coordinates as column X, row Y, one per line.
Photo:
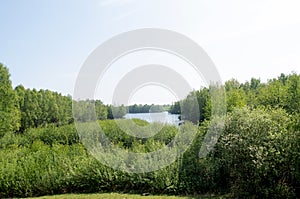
column 162, row 117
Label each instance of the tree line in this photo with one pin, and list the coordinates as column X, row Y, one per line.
column 27, row 108
column 22, row 108
column 282, row 92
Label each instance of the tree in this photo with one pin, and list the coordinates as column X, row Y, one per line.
column 118, row 111
column 20, row 92
column 175, row 108
column 232, row 84
column 190, row 108
column 43, row 107
column 9, row 112
column 255, row 83
column 235, row 98
column 235, row 95
column 101, row 110
column 156, row 109
column 293, row 94
column 115, row 112
column 203, row 97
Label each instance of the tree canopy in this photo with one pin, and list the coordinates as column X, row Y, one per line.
column 9, row 110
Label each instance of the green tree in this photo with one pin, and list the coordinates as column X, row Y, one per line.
column 203, row 97
column 272, row 94
column 190, row 108
column 9, row 111
column 115, row 112
column 235, row 95
column 235, row 99
column 255, row 83
column 293, row 94
column 232, row 84
column 118, row 111
column 156, row 108
column 175, row 108
column 20, row 92
column 101, row 110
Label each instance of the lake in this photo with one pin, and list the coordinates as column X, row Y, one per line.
column 162, row 117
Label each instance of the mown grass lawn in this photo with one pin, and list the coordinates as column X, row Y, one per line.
column 114, row 196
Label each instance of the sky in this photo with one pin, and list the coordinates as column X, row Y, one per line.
column 44, row 43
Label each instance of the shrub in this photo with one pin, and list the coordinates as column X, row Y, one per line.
column 254, row 149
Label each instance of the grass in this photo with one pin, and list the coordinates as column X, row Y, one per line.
column 113, row 196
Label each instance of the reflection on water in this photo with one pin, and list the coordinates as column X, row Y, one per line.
column 163, row 117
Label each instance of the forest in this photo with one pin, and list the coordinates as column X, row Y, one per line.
column 256, row 156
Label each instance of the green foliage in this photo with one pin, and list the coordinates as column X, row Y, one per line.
column 156, row 109
column 292, row 103
column 43, row 107
column 38, row 169
column 89, row 110
column 257, row 155
column 140, row 122
column 283, row 92
column 256, row 150
column 204, row 100
column 118, row 132
column 9, row 111
column 101, row 110
column 119, row 111
column 50, row 160
column 235, row 95
column 139, row 108
column 175, row 108
column 145, row 108
column 190, row 108
column 115, row 112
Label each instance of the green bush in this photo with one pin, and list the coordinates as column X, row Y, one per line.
column 256, row 156
column 52, row 134
column 38, row 169
column 255, row 149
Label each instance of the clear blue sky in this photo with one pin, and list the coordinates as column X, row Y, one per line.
column 45, row 42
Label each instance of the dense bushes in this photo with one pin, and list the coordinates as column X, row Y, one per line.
column 118, row 131
column 257, row 156
column 50, row 135
column 259, row 151
column 38, row 169
column 51, row 160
